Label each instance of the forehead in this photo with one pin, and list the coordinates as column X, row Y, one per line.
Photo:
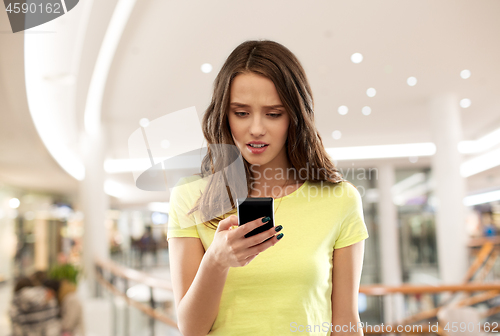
column 251, row 88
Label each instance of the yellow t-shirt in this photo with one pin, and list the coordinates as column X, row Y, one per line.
column 288, row 287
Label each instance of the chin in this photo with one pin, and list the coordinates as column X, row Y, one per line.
column 256, row 161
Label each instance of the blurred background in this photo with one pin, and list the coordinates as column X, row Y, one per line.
column 407, row 101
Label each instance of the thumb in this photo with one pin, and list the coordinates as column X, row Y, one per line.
column 226, row 223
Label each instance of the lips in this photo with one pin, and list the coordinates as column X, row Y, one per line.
column 257, row 150
column 257, row 144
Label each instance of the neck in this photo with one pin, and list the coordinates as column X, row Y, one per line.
column 272, row 179
column 273, row 173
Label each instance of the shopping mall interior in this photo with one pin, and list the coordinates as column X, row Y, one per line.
column 406, row 100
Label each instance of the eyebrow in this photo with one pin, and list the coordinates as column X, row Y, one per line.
column 245, row 105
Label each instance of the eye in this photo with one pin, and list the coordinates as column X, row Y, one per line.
column 240, row 114
column 274, row 115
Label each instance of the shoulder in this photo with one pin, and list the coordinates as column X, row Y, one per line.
column 349, row 189
column 187, row 188
column 334, row 196
column 348, row 194
column 32, row 296
column 341, row 189
column 183, row 199
column 191, row 181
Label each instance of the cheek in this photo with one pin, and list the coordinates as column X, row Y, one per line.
column 284, row 130
column 235, row 140
column 233, row 128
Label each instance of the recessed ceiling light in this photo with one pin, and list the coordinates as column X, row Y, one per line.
column 356, row 58
column 366, row 110
column 343, row 110
column 165, row 143
column 371, row 92
column 336, row 135
column 14, row 203
column 144, row 122
column 465, row 74
column 206, row 67
column 411, row 81
column 465, row 102
column 413, row 159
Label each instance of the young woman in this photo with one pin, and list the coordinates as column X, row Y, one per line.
column 303, row 279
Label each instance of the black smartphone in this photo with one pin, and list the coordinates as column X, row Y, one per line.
column 250, row 209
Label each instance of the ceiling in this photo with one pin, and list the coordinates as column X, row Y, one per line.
column 156, row 71
column 24, row 160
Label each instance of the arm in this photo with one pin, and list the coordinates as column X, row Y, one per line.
column 347, row 265
column 198, row 277
column 71, row 313
column 197, row 283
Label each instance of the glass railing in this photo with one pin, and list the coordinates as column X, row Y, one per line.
column 141, row 304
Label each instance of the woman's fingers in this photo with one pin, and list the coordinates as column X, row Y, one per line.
column 262, row 246
column 260, row 242
column 260, row 237
column 247, row 227
column 236, row 250
column 226, row 223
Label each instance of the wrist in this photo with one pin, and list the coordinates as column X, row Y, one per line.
column 212, row 261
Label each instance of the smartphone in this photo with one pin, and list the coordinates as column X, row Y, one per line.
column 250, row 209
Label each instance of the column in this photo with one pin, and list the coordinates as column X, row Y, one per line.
column 94, row 203
column 8, row 236
column 389, row 244
column 450, row 188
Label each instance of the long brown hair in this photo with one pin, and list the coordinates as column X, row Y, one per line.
column 305, row 148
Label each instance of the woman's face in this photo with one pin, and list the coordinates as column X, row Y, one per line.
column 256, row 115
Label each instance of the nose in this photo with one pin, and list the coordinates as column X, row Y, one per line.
column 257, row 127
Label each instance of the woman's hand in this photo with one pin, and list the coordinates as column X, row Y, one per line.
column 230, row 248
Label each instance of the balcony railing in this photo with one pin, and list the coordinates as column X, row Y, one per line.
column 109, row 274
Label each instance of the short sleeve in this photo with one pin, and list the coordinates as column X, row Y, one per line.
column 180, row 224
column 353, row 228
